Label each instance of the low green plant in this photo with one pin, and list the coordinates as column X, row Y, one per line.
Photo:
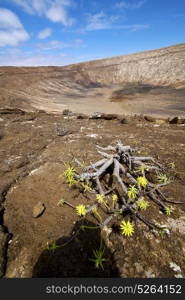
column 70, row 174
column 132, row 192
column 168, row 210
column 142, row 204
column 52, row 246
column 162, row 178
column 70, row 171
column 98, row 257
column 86, row 186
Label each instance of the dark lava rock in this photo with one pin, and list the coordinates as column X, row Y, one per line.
column 5, row 111
column 109, row 117
column 4, row 238
column 67, row 112
column 177, row 120
column 124, row 121
column 149, row 118
column 82, row 116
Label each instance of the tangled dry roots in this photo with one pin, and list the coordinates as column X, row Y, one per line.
column 115, row 173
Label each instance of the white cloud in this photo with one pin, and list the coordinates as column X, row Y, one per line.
column 57, row 13
column 54, row 10
column 129, row 5
column 135, row 27
column 12, row 31
column 55, row 44
column 9, row 19
column 19, row 58
column 45, row 33
column 100, row 21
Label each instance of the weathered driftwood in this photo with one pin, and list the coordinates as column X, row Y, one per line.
column 124, row 167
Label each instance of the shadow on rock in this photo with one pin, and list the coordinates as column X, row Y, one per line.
column 74, row 258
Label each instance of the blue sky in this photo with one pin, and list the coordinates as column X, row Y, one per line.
column 60, row 32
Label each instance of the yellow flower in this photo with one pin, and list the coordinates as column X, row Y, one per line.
column 101, row 200
column 114, row 198
column 86, row 187
column 71, row 181
column 142, row 204
column 142, row 181
column 127, row 228
column 70, row 172
column 81, row 210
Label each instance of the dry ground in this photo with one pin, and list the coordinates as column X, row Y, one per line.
column 33, row 149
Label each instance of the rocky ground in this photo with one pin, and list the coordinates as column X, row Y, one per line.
column 33, row 149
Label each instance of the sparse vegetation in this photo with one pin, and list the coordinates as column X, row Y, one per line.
column 131, row 191
column 52, row 246
column 98, row 257
column 142, row 204
column 127, row 228
column 162, row 178
column 81, row 210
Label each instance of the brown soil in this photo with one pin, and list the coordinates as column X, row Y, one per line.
column 36, row 140
column 33, row 149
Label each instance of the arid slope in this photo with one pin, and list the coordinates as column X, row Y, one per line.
column 156, row 79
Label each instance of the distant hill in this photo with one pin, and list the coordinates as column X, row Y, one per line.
column 50, row 87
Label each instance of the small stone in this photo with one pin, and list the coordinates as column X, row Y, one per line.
column 149, row 274
column 93, row 135
column 139, row 268
column 157, row 241
column 175, row 267
column 124, row 121
column 178, row 276
column 1, row 120
column 38, row 210
column 97, row 115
